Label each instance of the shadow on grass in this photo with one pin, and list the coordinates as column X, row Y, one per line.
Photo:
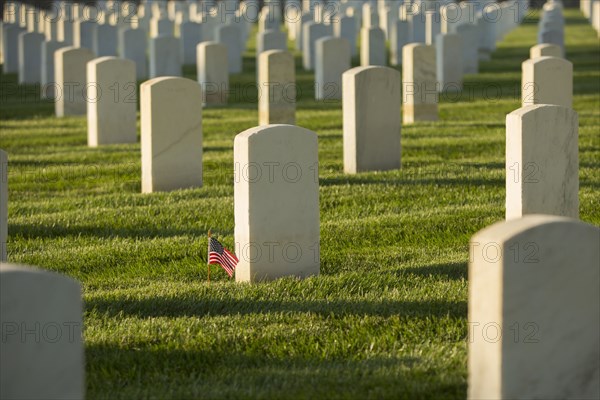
column 106, row 231
column 454, row 271
column 216, row 372
column 409, row 180
column 190, row 305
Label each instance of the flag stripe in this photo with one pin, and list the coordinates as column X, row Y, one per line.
column 217, row 254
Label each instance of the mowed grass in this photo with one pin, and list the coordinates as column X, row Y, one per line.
column 387, row 317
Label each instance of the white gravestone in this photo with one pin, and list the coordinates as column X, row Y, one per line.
column 231, row 37
column 534, row 307
column 112, row 101
column 276, row 214
column 30, row 57
column 83, row 34
column 420, row 93
column 372, row 47
column 448, row 47
column 10, row 44
column 42, row 349
column 545, row 50
column 213, row 73
column 333, row 58
column 277, row 88
column 345, row 27
column 547, row 80
column 165, row 56
column 161, row 26
column 432, row 27
column 69, row 75
column 399, row 37
column 132, row 46
column 190, row 36
column 270, row 40
column 47, row 68
column 171, row 119
column 470, row 38
column 311, row 33
column 105, row 40
column 542, row 161
column 372, row 125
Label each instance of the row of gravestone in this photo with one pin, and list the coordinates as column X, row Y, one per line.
column 540, row 178
column 31, row 54
column 106, row 39
column 552, row 24
column 527, row 128
column 533, row 323
column 164, row 60
column 591, row 10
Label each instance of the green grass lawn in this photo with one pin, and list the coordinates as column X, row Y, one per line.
column 387, row 317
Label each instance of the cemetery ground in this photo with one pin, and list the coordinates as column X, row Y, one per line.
column 387, row 317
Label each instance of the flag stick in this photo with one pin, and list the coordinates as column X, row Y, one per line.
column 207, row 262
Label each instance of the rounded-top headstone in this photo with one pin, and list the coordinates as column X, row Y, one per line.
column 111, row 118
column 542, row 161
column 41, row 347
column 545, row 50
column 547, row 80
column 171, row 119
column 70, row 77
column 371, row 105
column 276, row 198
column 534, row 310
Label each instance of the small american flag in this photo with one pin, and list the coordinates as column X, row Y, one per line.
column 217, row 254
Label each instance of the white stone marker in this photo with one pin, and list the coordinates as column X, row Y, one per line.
column 105, row 40
column 311, row 33
column 42, row 349
column 372, row 124
column 10, row 44
column 65, row 30
column 69, row 75
column 470, row 38
column 545, row 50
column 165, row 56
column 133, row 45
column 420, row 93
column 416, row 23
column 231, row 37
column 276, row 214
column 112, row 101
column 534, row 307
column 3, row 204
column 213, row 73
column 270, row 40
column 161, row 26
column 47, row 68
column 30, row 57
column 190, row 35
column 171, row 118
column 277, row 88
column 547, row 80
column 399, row 37
column 333, row 58
column 542, row 161
column 345, row 27
column 370, row 17
column 433, row 27
column 267, row 21
column 448, row 48
column 83, row 34
column 372, row 47
column 305, row 19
